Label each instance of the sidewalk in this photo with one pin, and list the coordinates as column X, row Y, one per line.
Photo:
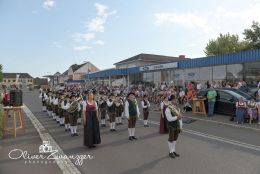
column 25, row 141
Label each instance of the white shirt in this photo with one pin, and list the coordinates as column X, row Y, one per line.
column 109, row 103
column 65, row 107
column 199, row 86
column 127, row 110
column 182, row 94
column 56, row 101
column 147, row 106
column 169, row 116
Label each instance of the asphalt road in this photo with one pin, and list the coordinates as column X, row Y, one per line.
column 206, row 146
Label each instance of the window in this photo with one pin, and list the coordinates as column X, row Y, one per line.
column 224, row 95
column 234, row 72
column 252, row 73
column 219, row 72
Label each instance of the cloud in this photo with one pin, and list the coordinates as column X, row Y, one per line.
column 97, row 23
column 56, row 45
column 187, row 20
column 79, row 37
column 47, row 4
column 99, row 42
column 82, row 48
column 93, row 26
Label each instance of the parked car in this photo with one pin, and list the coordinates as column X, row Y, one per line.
column 226, row 100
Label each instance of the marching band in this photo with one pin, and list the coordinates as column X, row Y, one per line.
column 91, row 108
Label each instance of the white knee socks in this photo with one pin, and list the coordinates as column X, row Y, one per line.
column 73, row 129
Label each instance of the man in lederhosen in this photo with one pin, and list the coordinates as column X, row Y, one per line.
column 65, row 105
column 73, row 115
column 48, row 102
column 43, row 97
column 111, row 108
column 173, row 116
column 80, row 103
column 102, row 106
column 56, row 108
column 119, row 109
column 132, row 114
column 61, row 116
column 145, row 105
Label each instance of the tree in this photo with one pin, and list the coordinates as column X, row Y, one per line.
column 225, row 43
column 1, row 73
column 252, row 35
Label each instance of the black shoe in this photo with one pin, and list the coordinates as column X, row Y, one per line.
column 79, row 123
column 171, row 155
column 134, row 138
column 114, row 130
column 61, row 125
column 131, row 138
column 111, row 130
column 120, row 123
column 57, row 121
column 176, row 154
column 76, row 134
column 72, row 135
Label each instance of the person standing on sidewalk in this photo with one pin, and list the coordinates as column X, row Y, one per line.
column 212, row 94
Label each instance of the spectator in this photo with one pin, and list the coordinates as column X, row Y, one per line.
column 212, row 94
column 252, row 110
column 240, row 110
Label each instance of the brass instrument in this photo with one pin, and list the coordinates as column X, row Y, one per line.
column 175, row 110
column 73, row 107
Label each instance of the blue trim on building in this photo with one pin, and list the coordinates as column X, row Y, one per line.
column 75, row 81
column 231, row 58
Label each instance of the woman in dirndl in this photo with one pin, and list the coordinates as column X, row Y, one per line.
column 252, row 110
column 91, row 122
column 240, row 110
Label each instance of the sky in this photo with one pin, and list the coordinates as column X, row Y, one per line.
column 41, row 37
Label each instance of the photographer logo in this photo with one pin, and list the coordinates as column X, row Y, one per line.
column 47, row 154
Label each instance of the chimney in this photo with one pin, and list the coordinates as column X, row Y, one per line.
column 181, row 56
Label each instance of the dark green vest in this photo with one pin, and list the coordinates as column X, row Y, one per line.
column 174, row 124
column 132, row 108
column 112, row 109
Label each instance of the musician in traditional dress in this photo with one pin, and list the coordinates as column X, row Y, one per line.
column 102, row 106
column 43, row 97
column 119, row 109
column 73, row 115
column 80, row 103
column 132, row 114
column 56, row 108
column 60, row 111
column 145, row 105
column 91, row 122
column 111, row 108
column 65, row 105
column 173, row 115
column 163, row 120
column 49, row 101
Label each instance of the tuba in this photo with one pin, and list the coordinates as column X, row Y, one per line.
column 73, row 107
column 176, row 111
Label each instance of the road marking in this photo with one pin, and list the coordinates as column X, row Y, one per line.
column 216, row 138
column 66, row 166
column 219, row 122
